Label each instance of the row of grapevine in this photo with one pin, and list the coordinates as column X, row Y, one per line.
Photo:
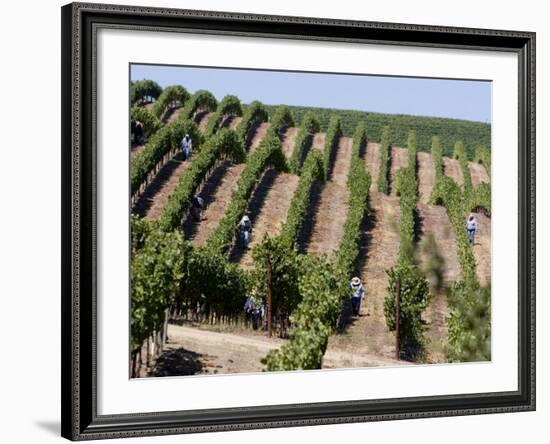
column 413, row 286
column 323, row 286
column 483, row 156
column 460, row 154
column 225, row 144
column 385, row 161
column 161, row 144
column 255, row 113
column 281, row 118
column 143, row 90
column 228, row 106
column 334, row 132
column 268, row 154
column 201, row 101
column 175, row 95
column 308, row 127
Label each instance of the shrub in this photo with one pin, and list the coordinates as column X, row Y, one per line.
column 254, row 114
column 385, row 161
column 170, row 95
column 229, row 106
column 201, row 101
column 150, row 122
column 309, row 126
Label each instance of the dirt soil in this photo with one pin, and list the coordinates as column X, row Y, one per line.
column 399, row 159
column 478, row 173
column 451, row 168
column 268, row 209
column 482, row 248
column 198, row 351
column 373, row 165
column 332, row 208
column 152, row 202
column 288, row 138
column 171, row 115
column 216, row 194
column 318, row 141
column 260, row 131
column 202, row 119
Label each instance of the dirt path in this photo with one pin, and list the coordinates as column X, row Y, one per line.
column 318, row 141
column 268, row 209
column 216, row 194
column 328, row 221
column 451, row 168
column 399, row 159
column 195, row 351
column 435, row 222
column 171, row 115
column 231, row 122
column 478, row 173
column 201, row 119
column 260, row 131
column 482, row 249
column 152, row 202
column 373, row 165
column 288, row 138
column 426, row 176
column 135, row 149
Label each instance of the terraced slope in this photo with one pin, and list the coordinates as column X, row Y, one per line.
column 331, row 214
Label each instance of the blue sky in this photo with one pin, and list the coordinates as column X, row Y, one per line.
column 460, row 99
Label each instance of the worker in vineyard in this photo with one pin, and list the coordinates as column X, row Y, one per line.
column 138, row 133
column 471, row 228
column 253, row 311
column 197, row 207
column 245, row 229
column 357, row 295
column 186, row 146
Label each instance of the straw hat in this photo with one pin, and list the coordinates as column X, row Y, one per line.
column 355, row 281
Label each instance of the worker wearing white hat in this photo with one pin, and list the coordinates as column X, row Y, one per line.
column 358, row 291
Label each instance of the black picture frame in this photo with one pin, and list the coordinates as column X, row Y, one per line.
column 80, row 420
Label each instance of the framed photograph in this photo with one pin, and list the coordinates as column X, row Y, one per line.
column 274, row 221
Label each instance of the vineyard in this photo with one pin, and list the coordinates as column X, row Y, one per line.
column 331, row 194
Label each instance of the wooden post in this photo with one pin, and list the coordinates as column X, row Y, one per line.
column 398, row 319
column 269, row 295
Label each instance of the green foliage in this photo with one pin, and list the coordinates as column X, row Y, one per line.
column 171, row 94
column 469, row 322
column 281, row 118
column 483, row 156
column 385, row 161
column 156, row 270
column 411, row 148
column 150, row 122
column 460, row 154
column 334, row 132
column 229, row 106
column 309, row 126
column 414, row 299
column 358, row 184
column 215, row 282
column 312, row 170
column 160, row 144
column 313, row 320
column 139, row 230
column 437, row 156
column 449, row 130
column 141, row 90
column 268, row 154
column 286, row 266
column 255, row 113
column 201, row 101
column 225, row 144
column 480, row 199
